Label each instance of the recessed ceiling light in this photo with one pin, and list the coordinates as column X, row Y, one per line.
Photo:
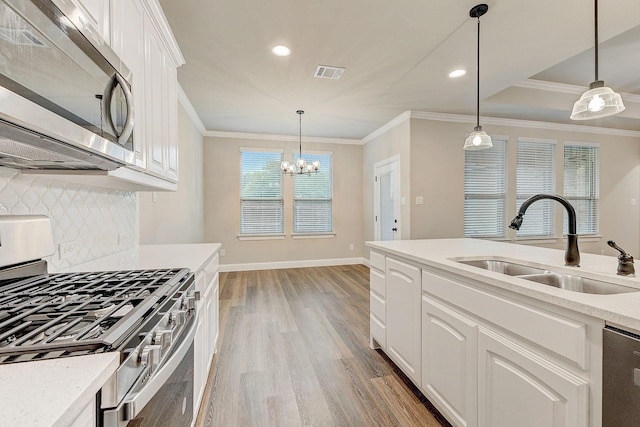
column 281, row 51
column 457, row 73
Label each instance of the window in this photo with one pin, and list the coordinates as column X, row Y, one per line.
column 535, row 174
column 485, row 192
column 581, row 186
column 313, row 197
column 261, row 206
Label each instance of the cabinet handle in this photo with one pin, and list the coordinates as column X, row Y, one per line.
column 394, row 229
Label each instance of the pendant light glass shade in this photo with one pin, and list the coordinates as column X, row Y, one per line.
column 599, row 101
column 478, row 139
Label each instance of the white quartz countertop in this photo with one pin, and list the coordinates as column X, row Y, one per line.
column 619, row 309
column 53, row 392
column 190, row 256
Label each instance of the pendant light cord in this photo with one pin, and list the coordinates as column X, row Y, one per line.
column 478, row 78
column 595, row 2
column 300, row 112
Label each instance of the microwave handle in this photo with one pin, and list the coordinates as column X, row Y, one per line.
column 128, row 124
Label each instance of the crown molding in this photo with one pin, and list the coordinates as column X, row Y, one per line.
column 191, row 112
column 497, row 121
column 388, row 126
column 285, row 138
column 566, row 88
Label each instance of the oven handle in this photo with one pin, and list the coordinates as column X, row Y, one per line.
column 134, row 403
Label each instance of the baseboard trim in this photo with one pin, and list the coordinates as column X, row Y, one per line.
column 291, row 264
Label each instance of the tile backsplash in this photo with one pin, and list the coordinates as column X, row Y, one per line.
column 95, row 221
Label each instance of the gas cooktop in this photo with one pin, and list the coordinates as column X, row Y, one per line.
column 54, row 315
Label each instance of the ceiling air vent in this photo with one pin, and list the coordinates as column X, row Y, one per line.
column 329, row 72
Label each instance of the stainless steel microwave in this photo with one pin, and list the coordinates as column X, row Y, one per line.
column 65, row 101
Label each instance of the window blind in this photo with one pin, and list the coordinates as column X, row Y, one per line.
column 261, row 204
column 485, row 191
column 535, row 174
column 313, row 197
column 582, row 186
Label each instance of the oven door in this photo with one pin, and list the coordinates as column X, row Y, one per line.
column 166, row 398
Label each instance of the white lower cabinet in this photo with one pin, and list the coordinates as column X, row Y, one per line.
column 206, row 339
column 519, row 388
column 403, row 317
column 450, row 362
column 492, row 360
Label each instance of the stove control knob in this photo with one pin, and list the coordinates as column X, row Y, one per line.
column 150, row 355
column 163, row 338
column 192, row 302
column 178, row 317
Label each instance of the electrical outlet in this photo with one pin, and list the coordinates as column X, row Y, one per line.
column 67, row 249
column 222, row 252
column 154, row 196
column 350, row 246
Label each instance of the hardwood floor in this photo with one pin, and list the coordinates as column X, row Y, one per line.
column 294, row 351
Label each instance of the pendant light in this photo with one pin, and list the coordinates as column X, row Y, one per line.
column 300, row 167
column 599, row 101
column 478, row 139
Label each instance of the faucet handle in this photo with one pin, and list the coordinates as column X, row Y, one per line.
column 625, row 261
column 623, row 254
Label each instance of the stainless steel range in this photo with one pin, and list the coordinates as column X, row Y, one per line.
column 148, row 316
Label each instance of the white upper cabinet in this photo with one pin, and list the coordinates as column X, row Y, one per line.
column 127, row 40
column 141, row 36
column 97, row 14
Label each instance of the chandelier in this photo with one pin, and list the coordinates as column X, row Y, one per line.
column 300, row 167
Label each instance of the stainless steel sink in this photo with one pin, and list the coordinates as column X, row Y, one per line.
column 578, row 284
column 569, row 282
column 504, row 267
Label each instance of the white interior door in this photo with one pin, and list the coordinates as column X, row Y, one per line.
column 386, row 191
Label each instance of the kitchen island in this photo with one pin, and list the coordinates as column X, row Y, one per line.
column 61, row 392
column 489, row 348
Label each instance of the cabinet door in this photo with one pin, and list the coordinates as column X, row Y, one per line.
column 199, row 366
column 154, row 101
column 127, row 40
column 171, row 112
column 97, row 14
column 516, row 387
column 403, row 317
column 450, row 362
column 212, row 319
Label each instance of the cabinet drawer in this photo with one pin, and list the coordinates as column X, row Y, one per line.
column 377, row 307
column 377, row 282
column 378, row 331
column 377, row 261
column 561, row 335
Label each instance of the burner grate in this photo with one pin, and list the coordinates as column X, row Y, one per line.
column 78, row 312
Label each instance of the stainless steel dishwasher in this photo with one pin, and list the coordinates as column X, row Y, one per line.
column 620, row 378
